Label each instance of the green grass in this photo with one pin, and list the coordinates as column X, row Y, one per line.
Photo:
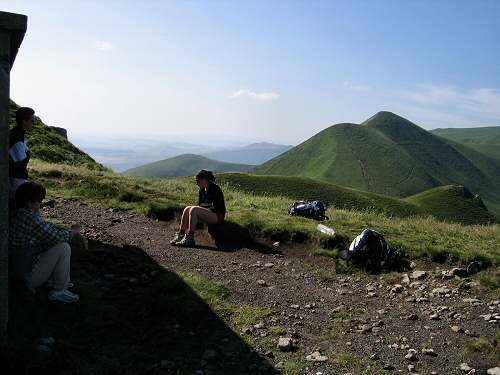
column 483, row 350
column 266, row 215
column 329, row 253
column 278, row 330
column 212, row 292
column 185, row 165
column 293, row 367
column 215, row 294
column 248, row 316
column 490, row 279
column 389, row 155
column 343, row 360
column 339, row 316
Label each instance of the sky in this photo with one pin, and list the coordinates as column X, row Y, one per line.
column 244, row 71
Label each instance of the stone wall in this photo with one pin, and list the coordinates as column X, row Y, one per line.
column 12, row 29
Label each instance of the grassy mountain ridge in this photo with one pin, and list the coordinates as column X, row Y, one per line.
column 48, row 145
column 448, row 203
column 480, row 135
column 185, row 165
column 389, row 155
column 485, row 140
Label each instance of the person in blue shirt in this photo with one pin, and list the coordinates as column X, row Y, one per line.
column 19, row 153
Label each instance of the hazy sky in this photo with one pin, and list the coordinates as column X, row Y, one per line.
column 255, row 70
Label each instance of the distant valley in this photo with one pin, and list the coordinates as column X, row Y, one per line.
column 185, row 165
column 121, row 155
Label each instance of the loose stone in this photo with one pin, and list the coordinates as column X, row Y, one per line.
column 316, row 357
column 429, row 352
column 286, row 344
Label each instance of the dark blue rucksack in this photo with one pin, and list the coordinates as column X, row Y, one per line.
column 310, row 209
column 369, row 250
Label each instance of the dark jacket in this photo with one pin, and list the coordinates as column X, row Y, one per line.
column 19, row 154
column 213, row 199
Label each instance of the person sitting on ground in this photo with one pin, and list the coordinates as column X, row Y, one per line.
column 19, row 153
column 39, row 251
column 211, row 209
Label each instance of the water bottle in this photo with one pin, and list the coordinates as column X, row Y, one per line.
column 326, row 230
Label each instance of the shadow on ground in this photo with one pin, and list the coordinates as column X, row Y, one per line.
column 230, row 237
column 134, row 317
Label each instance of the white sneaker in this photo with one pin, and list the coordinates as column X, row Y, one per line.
column 50, row 284
column 63, row 296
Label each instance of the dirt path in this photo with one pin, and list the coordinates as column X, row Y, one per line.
column 362, row 323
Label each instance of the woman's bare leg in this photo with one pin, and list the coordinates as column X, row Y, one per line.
column 185, row 218
column 200, row 214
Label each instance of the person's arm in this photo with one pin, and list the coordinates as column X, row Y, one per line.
column 18, row 152
column 47, row 233
column 219, row 203
column 19, row 156
column 200, row 197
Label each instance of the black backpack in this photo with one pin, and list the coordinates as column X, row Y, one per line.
column 369, row 250
column 311, row 209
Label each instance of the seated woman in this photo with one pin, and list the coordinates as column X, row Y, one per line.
column 211, row 209
column 39, row 251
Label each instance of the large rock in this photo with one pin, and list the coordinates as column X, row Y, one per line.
column 61, row 131
column 450, row 274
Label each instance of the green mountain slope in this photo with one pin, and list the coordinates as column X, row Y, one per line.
column 485, row 139
column 452, row 203
column 389, row 155
column 48, row 145
column 185, row 165
column 448, row 203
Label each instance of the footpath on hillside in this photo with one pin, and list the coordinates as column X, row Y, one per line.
column 271, row 309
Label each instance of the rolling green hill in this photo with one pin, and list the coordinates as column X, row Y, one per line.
column 485, row 139
column 389, row 155
column 185, row 165
column 448, row 203
column 48, row 145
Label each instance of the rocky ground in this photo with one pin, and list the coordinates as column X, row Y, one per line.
column 308, row 318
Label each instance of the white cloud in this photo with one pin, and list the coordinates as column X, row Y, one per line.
column 484, row 102
column 357, row 87
column 267, row 96
column 447, row 106
column 103, row 45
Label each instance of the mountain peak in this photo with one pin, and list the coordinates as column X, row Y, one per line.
column 395, row 127
column 384, row 117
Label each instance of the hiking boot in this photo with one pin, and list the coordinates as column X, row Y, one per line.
column 63, row 296
column 177, row 238
column 187, row 241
